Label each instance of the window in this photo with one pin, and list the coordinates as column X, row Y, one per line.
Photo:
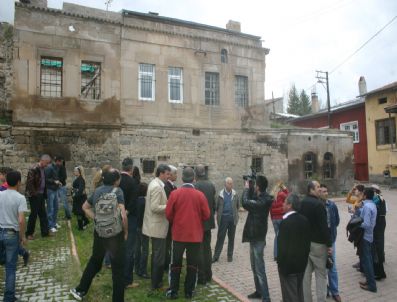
column 51, row 77
column 146, row 85
column 224, row 56
column 212, row 88
column 353, row 127
column 309, row 161
column 148, row 165
column 241, row 91
column 175, row 85
column 328, row 165
column 385, row 131
column 257, row 164
column 90, row 80
column 382, row 101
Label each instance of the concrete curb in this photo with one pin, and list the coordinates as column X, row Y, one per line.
column 230, row 289
column 73, row 246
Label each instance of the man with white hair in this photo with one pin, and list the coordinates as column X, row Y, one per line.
column 227, row 206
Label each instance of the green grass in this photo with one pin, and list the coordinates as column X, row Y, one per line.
column 101, row 288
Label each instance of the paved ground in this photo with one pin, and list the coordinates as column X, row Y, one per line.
column 238, row 274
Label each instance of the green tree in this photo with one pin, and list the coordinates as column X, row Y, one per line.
column 293, row 101
column 305, row 104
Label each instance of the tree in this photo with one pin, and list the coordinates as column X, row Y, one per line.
column 298, row 104
column 293, row 101
column 306, row 106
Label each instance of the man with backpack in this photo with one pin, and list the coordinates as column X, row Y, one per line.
column 106, row 207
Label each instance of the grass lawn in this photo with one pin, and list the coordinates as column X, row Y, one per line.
column 101, row 288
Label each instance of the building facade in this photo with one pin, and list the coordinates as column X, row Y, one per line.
column 97, row 86
column 349, row 116
column 380, row 111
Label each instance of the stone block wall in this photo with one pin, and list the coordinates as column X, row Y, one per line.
column 6, row 68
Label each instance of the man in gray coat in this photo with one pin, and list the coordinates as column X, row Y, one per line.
column 227, row 206
column 208, row 189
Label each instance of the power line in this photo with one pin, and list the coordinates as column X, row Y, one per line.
column 362, row 46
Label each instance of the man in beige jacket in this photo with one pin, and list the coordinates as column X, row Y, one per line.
column 155, row 224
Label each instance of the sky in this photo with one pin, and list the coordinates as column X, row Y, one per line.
column 303, row 36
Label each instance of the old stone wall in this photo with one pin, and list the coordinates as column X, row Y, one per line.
column 6, row 68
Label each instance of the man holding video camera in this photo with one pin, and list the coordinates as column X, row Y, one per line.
column 255, row 230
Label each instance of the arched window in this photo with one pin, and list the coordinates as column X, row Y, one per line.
column 309, row 164
column 328, row 164
column 224, row 55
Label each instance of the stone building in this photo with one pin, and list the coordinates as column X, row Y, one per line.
column 97, row 86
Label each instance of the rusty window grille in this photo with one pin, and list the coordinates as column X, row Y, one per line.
column 257, row 164
column 175, row 85
column 148, row 165
column 309, row 165
column 90, row 80
column 241, row 91
column 146, row 82
column 212, row 88
column 328, row 166
column 51, row 77
column 224, row 58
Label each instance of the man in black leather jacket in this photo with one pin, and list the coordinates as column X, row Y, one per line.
column 255, row 230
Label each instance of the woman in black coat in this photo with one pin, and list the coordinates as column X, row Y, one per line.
column 79, row 197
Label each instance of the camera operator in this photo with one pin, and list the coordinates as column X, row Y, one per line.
column 255, row 230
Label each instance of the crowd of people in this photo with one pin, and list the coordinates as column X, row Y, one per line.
column 128, row 214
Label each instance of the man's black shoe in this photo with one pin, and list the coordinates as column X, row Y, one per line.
column 171, row 295
column 214, row 260
column 254, row 295
column 189, row 296
column 26, row 258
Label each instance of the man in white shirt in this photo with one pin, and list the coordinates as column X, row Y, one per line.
column 12, row 230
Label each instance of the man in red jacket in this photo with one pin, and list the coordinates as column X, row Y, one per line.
column 186, row 210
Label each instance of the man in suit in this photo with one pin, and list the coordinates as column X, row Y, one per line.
column 320, row 247
column 293, row 250
column 208, row 189
column 155, row 224
column 169, row 186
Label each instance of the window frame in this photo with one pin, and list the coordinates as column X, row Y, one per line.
column 99, row 80
column 342, row 126
column 313, row 165
column 214, row 98
column 52, row 58
column 254, row 164
column 175, row 77
column 224, row 56
column 147, row 161
column 153, row 81
column 330, row 164
column 244, row 103
column 389, row 122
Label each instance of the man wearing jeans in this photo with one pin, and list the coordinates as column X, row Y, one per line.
column 53, row 184
column 12, row 230
column 314, row 210
column 368, row 214
column 333, row 222
column 255, row 230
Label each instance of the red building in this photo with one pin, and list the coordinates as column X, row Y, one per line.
column 349, row 116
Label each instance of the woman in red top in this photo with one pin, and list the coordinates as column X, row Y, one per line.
column 276, row 211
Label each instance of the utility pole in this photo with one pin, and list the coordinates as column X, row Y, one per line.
column 321, row 77
column 108, row 3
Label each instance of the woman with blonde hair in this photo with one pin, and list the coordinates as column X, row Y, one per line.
column 280, row 193
column 97, row 179
column 79, row 197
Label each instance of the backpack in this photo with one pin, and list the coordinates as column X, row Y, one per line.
column 108, row 221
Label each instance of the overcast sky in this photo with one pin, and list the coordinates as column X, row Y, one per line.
column 303, row 36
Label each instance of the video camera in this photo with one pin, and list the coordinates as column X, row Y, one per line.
column 251, row 181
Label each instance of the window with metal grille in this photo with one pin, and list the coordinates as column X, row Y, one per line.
column 175, row 85
column 224, row 56
column 146, row 84
column 385, row 131
column 353, row 127
column 51, row 77
column 257, row 164
column 148, row 165
column 90, row 80
column 212, row 88
column 309, row 164
column 241, row 91
column 328, row 165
